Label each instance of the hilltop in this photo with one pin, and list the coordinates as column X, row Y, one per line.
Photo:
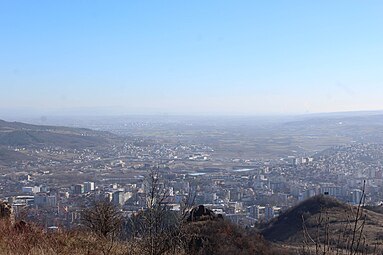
column 288, row 226
column 337, row 217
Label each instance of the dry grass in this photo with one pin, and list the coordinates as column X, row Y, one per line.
column 34, row 241
column 323, row 225
column 208, row 237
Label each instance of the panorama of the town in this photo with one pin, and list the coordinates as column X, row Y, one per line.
column 247, row 172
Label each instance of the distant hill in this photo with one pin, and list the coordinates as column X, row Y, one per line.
column 7, row 155
column 17, row 134
column 22, row 134
column 288, row 227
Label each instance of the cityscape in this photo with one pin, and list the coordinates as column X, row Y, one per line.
column 51, row 185
column 191, row 127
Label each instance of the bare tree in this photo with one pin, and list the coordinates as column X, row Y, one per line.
column 156, row 225
column 103, row 218
column 188, row 202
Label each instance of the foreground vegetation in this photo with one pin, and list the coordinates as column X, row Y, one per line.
column 320, row 225
column 203, row 237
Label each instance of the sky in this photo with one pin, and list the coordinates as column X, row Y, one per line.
column 190, row 57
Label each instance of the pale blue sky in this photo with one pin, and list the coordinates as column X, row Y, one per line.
column 191, row 57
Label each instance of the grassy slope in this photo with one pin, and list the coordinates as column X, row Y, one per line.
column 288, row 228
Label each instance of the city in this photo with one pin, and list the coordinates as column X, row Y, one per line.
column 247, row 190
column 191, row 127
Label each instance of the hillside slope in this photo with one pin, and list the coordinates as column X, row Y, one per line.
column 22, row 134
column 16, row 135
column 337, row 217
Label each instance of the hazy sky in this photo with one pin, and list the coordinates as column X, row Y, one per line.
column 224, row 57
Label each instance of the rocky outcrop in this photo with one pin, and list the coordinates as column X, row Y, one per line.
column 201, row 213
column 6, row 211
